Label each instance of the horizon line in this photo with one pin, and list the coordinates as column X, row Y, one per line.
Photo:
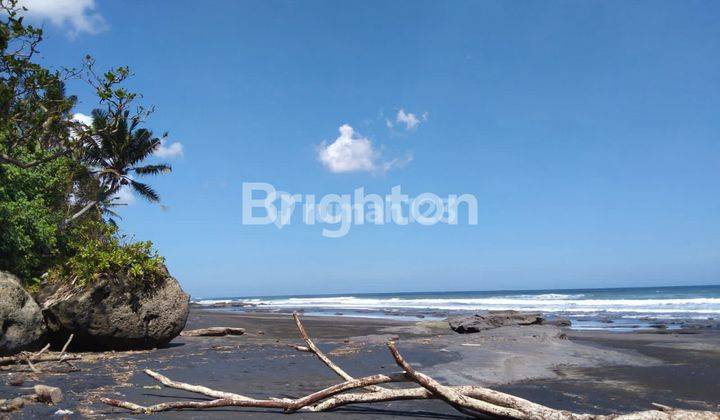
column 352, row 294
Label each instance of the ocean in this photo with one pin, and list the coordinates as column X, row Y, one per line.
column 612, row 308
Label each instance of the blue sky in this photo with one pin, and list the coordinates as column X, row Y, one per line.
column 589, row 133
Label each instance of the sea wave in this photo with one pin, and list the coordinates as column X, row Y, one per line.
column 553, row 303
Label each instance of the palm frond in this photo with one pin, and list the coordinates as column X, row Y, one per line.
column 152, row 169
column 145, row 191
column 115, row 148
column 143, row 146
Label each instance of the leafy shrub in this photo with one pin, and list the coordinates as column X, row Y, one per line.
column 107, row 254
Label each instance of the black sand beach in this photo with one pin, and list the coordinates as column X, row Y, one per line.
column 596, row 372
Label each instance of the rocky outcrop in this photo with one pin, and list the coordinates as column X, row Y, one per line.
column 558, row 322
column 21, row 323
column 701, row 324
column 113, row 314
column 488, row 320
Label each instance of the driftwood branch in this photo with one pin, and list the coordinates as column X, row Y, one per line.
column 312, row 348
column 11, row 360
column 64, row 358
column 473, row 401
column 67, row 344
column 31, row 359
column 228, row 399
column 213, row 332
column 48, row 394
column 384, row 394
column 194, row 388
column 319, row 353
column 300, row 348
column 494, row 403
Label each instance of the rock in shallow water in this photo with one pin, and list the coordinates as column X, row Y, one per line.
column 21, row 323
column 488, row 320
column 558, row 322
column 111, row 314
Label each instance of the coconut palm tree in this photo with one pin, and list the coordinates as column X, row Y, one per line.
column 114, row 148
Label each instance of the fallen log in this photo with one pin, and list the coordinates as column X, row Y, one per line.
column 213, row 332
column 472, row 401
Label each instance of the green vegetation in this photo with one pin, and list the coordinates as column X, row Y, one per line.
column 107, row 252
column 31, row 211
column 59, row 178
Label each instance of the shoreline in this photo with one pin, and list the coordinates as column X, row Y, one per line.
column 619, row 309
column 586, row 371
column 603, row 322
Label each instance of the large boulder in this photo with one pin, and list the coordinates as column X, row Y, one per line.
column 488, row 320
column 21, row 323
column 114, row 314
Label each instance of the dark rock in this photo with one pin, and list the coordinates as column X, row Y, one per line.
column 558, row 322
column 113, row 314
column 488, row 320
column 700, row 325
column 233, row 304
column 21, row 323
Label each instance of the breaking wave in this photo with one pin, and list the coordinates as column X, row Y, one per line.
column 547, row 302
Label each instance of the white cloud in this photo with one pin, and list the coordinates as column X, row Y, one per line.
column 82, row 118
column 78, row 15
column 125, row 196
column 397, row 162
column 348, row 153
column 353, row 153
column 169, row 151
column 409, row 119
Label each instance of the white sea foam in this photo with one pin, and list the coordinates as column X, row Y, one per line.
column 551, row 303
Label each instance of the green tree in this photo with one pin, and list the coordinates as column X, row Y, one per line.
column 35, row 113
column 32, row 206
column 57, row 175
column 115, row 150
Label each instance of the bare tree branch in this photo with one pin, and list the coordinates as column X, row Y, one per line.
column 27, row 165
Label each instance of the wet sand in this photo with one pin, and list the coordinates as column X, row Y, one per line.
column 596, row 372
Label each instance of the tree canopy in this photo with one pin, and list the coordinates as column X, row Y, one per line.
column 59, row 177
